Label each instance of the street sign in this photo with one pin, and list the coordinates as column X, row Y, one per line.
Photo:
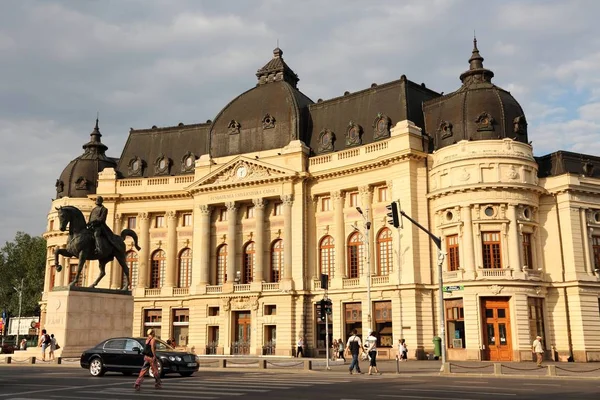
column 454, row 288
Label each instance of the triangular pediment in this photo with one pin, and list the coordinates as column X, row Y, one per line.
column 242, row 170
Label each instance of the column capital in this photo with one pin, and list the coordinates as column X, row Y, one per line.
column 390, row 184
column 287, row 199
column 204, row 209
column 144, row 216
column 118, row 217
column 171, row 214
column 337, row 195
column 231, row 206
column 259, row 203
column 365, row 190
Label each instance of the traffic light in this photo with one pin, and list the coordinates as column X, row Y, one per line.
column 393, row 215
column 328, row 307
column 321, row 310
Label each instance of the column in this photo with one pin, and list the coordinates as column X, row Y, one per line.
column 171, row 262
column 116, row 272
column 339, row 234
column 514, row 244
column 231, row 240
column 259, row 216
column 204, row 247
column 64, row 274
column 288, row 200
column 586, row 235
column 47, row 276
column 365, row 193
column 468, row 249
column 144, row 253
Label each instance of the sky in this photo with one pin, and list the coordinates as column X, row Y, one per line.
column 140, row 63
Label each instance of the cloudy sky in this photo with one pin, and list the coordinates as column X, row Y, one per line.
column 141, row 63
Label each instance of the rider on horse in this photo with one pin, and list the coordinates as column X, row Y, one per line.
column 97, row 224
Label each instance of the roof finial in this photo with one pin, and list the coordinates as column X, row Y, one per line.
column 97, row 117
column 474, row 41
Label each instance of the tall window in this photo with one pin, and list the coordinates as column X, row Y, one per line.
column 159, row 221
column 382, row 194
column 181, row 324
column 185, row 268
column 527, row 254
column 131, row 222
column 131, row 259
column 326, row 255
column 187, row 219
column 536, row 317
column 491, row 250
column 157, row 268
column 276, row 260
column 51, row 225
column 326, row 204
column 249, row 262
column 455, row 322
column 278, row 208
column 383, row 323
column 73, row 272
column 384, row 252
column 221, row 264
column 353, row 199
column 152, row 319
column 355, row 255
column 250, row 212
column 222, row 214
column 52, row 277
column 596, row 250
column 453, row 254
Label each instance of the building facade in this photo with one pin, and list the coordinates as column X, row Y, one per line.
column 238, row 218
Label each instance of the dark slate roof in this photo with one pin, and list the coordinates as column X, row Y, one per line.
column 80, row 177
column 174, row 143
column 478, row 110
column 566, row 162
column 398, row 100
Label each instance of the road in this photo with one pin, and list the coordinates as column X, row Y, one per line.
column 51, row 382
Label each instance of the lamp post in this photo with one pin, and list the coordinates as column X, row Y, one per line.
column 367, row 227
column 20, row 291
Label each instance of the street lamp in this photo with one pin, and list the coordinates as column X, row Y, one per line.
column 367, row 227
column 20, row 291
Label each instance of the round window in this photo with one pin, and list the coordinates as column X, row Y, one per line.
column 382, row 125
column 162, row 164
column 449, row 215
column 489, row 211
column 188, row 161
column 527, row 213
column 136, row 165
column 597, row 217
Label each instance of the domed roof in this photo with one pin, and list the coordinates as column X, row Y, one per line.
column 265, row 117
column 479, row 110
column 80, row 177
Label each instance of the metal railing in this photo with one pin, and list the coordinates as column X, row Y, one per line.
column 240, row 347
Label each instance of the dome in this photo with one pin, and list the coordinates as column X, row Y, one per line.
column 80, row 177
column 479, row 110
column 265, row 117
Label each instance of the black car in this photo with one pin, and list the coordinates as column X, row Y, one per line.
column 124, row 354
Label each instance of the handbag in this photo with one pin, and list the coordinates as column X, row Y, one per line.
column 57, row 346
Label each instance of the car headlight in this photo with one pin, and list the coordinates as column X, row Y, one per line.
column 171, row 358
column 177, row 358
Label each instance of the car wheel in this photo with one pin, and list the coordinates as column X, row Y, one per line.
column 96, row 367
column 186, row 373
column 159, row 366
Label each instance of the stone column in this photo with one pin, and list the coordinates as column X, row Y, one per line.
column 365, row 193
column 231, row 240
column 171, row 262
column 144, row 253
column 513, row 237
column 64, row 274
column 48, row 275
column 339, row 235
column 586, row 235
column 288, row 200
column 116, row 272
column 204, row 248
column 259, row 216
column 467, row 244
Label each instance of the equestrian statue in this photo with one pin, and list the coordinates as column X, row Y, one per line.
column 93, row 241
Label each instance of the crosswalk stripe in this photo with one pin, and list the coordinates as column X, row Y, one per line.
column 145, row 394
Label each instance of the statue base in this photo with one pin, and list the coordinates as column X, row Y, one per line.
column 81, row 317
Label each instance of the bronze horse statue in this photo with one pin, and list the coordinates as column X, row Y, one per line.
column 81, row 244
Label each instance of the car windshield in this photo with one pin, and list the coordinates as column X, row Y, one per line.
column 160, row 345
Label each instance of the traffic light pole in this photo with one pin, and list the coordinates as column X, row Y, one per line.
column 438, row 243
column 326, row 333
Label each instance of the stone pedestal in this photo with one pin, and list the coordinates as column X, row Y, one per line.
column 82, row 317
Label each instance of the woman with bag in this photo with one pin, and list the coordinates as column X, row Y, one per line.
column 149, row 362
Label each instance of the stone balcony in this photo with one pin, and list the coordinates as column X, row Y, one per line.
column 493, row 274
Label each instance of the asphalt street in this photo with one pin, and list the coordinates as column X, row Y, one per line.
column 52, row 382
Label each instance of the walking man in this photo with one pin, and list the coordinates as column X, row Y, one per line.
column 300, row 347
column 354, row 347
column 537, row 348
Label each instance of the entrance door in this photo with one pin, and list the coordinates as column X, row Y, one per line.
column 496, row 329
column 241, row 340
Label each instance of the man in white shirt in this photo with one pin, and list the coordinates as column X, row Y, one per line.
column 537, row 348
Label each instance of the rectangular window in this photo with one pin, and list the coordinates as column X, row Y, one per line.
column 152, row 319
column 250, row 212
column 181, row 323
column 159, row 221
column 73, row 273
column 596, row 250
column 455, row 322
column 491, row 250
column 222, row 214
column 51, row 228
column 352, row 319
column 527, row 254
column 353, row 197
column 382, row 194
column 131, row 222
column 452, row 251
column 270, row 309
column 187, row 219
column 213, row 311
column 52, row 277
column 326, row 204
column 278, row 208
column 536, row 317
column 383, row 323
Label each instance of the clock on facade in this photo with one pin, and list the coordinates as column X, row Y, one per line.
column 241, row 171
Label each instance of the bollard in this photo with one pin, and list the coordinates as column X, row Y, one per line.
column 551, row 370
column 307, row 365
column 497, row 369
column 222, row 363
column 445, row 368
column 59, row 360
column 262, row 364
column 8, row 360
column 33, row 360
column 397, row 364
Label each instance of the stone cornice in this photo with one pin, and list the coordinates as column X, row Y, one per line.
column 366, row 166
column 245, row 184
column 477, row 187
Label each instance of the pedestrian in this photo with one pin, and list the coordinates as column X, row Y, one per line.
column 23, row 345
column 52, row 347
column 354, row 346
column 372, row 352
column 402, row 350
column 537, row 348
column 300, row 347
column 44, row 343
column 340, row 350
column 150, row 362
column 334, row 351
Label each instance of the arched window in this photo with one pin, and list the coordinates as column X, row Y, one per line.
column 221, row 264
column 326, row 256
column 249, row 262
column 157, row 269
column 131, row 259
column 276, row 260
column 52, row 277
column 384, row 252
column 185, row 268
column 355, row 255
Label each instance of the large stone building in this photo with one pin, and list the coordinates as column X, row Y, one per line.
column 239, row 216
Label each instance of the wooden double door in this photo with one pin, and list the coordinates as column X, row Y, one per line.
column 497, row 338
column 241, row 333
